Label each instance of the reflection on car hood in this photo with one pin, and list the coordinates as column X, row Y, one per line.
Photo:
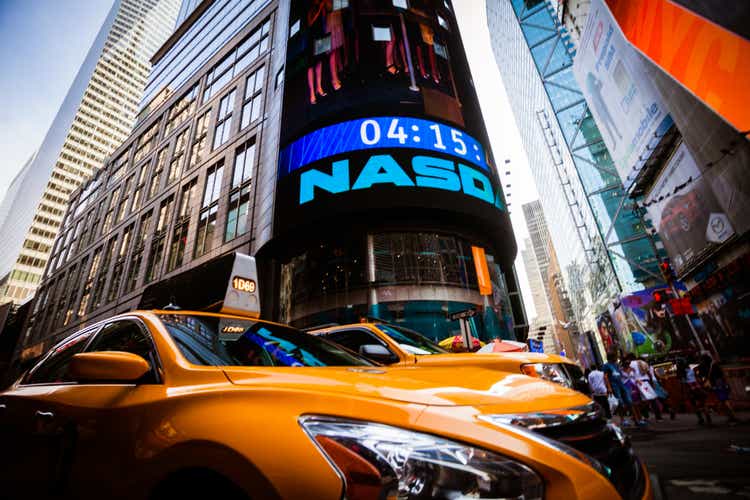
column 465, row 386
column 508, row 361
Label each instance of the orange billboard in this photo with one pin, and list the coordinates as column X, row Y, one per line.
column 710, row 61
column 483, row 273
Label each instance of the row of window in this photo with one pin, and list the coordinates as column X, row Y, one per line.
column 166, row 251
column 115, row 211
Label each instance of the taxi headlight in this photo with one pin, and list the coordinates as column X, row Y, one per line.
column 523, row 424
column 548, row 371
column 381, row 461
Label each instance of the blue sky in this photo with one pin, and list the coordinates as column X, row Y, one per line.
column 42, row 45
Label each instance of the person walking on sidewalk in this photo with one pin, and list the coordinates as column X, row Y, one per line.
column 616, row 385
column 713, row 377
column 642, row 379
column 695, row 393
column 599, row 391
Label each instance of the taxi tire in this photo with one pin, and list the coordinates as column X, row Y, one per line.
column 197, row 483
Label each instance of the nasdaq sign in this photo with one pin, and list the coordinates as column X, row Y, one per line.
column 422, row 172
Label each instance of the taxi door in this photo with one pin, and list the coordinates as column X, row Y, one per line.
column 107, row 416
column 34, row 439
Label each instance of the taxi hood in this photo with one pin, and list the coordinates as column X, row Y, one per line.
column 466, row 386
column 508, row 361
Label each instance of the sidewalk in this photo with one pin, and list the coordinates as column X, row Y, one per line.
column 688, row 461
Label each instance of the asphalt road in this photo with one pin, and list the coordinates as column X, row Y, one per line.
column 688, row 461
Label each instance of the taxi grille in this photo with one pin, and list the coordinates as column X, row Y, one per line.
column 596, row 439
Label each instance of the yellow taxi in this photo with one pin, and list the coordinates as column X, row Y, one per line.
column 393, row 345
column 181, row 404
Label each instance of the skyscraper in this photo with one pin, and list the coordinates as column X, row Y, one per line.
column 602, row 249
column 537, row 285
column 97, row 114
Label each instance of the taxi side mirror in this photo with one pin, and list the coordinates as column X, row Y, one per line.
column 377, row 353
column 110, row 366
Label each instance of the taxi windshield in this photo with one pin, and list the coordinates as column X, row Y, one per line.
column 225, row 341
column 411, row 341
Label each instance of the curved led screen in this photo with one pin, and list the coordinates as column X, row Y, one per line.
column 381, row 120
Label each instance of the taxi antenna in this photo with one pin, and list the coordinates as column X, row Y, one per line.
column 172, row 306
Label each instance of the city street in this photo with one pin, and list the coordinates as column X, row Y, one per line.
column 687, row 461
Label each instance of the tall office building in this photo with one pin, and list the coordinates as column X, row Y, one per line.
column 96, row 116
column 536, row 283
column 602, row 249
column 354, row 167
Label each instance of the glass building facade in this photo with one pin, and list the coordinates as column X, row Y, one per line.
column 602, row 245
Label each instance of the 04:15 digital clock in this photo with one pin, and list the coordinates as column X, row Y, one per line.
column 381, row 132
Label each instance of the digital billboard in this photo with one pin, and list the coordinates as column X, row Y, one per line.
column 381, row 119
column 685, row 210
column 625, row 104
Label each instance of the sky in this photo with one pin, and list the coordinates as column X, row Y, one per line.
column 42, row 45
column 41, row 55
column 501, row 126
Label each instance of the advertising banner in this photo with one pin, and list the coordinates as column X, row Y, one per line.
column 643, row 326
column 380, row 117
column 709, row 60
column 623, row 101
column 685, row 211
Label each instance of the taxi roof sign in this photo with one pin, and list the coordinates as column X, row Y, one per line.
column 227, row 284
column 242, row 296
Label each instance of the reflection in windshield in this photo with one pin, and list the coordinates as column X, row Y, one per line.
column 221, row 341
column 406, row 337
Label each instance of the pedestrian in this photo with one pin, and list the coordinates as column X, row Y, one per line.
column 615, row 383
column 598, row 388
column 629, row 380
column 695, row 393
column 712, row 375
column 642, row 379
column 661, row 392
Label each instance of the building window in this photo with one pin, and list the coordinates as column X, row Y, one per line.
column 180, row 231
column 209, row 208
column 139, row 188
column 198, row 149
column 119, row 266
column 109, row 217
column 146, row 142
column 72, row 287
column 161, row 161
column 253, row 100
column 239, row 194
column 178, row 155
column 89, row 283
column 156, row 254
column 137, row 258
column 182, row 109
column 95, row 224
column 244, row 55
column 101, row 278
column 224, row 119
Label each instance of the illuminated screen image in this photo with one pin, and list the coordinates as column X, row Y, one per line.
column 380, row 116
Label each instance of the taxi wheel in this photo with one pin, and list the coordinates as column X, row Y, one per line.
column 196, row 483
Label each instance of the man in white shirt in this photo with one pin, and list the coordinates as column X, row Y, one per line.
column 599, row 390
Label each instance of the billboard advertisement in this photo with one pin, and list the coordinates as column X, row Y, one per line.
column 707, row 59
column 623, row 101
column 380, row 117
column 684, row 210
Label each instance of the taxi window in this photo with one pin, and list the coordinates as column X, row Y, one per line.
column 222, row 341
column 354, row 339
column 127, row 336
column 54, row 368
column 409, row 338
